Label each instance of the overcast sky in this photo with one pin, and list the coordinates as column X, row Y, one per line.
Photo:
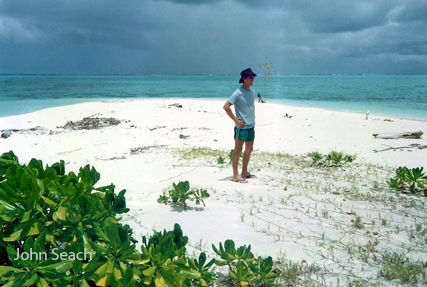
column 212, row 36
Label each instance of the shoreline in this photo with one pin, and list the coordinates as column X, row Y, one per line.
column 274, row 101
column 381, row 115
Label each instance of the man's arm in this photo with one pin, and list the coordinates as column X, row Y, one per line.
column 227, row 108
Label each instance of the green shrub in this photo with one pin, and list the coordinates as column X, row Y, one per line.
column 46, row 210
column 167, row 262
column 54, row 218
column 220, row 160
column 333, row 158
column 244, row 269
column 181, row 193
column 414, row 179
column 316, row 157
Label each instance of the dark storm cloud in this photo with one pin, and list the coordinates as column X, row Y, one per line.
column 198, row 2
column 416, row 11
column 335, row 16
column 218, row 36
column 80, row 22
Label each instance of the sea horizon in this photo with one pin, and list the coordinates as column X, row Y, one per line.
column 394, row 95
column 157, row 74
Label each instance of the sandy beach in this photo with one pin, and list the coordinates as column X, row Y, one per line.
column 334, row 221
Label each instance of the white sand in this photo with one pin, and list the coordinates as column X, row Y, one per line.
column 277, row 213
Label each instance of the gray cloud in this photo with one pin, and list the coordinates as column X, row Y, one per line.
column 191, row 2
column 222, row 36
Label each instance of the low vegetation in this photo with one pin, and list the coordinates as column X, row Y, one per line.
column 181, row 193
column 59, row 229
column 333, row 158
column 340, row 216
column 414, row 180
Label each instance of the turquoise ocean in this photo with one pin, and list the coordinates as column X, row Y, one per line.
column 391, row 95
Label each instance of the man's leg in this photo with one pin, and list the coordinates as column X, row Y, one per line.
column 238, row 146
column 249, row 147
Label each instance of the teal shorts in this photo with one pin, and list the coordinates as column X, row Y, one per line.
column 246, row 135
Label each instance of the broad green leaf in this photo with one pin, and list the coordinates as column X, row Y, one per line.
column 100, row 233
column 43, row 283
column 35, row 229
column 26, row 216
column 191, row 273
column 159, row 281
column 59, row 267
column 6, row 269
column 31, row 280
column 100, row 272
column 48, row 201
column 110, row 265
column 60, row 213
column 150, row 271
column 14, row 236
column 7, row 205
column 117, row 274
column 103, row 281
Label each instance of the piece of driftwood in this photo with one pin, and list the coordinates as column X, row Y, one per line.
column 394, row 148
column 178, row 105
column 404, row 135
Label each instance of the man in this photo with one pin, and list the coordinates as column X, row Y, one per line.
column 244, row 118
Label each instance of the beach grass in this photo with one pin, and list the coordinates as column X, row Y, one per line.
column 367, row 225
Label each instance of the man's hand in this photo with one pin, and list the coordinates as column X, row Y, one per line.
column 240, row 123
column 227, row 108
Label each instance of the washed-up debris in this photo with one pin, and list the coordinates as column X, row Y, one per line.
column 178, row 129
column 404, row 135
column 90, row 123
column 113, row 158
column 7, row 133
column 414, row 145
column 157, row 127
column 184, row 137
column 178, row 105
column 141, row 149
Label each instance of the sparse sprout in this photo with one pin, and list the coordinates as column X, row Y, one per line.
column 267, row 72
column 181, row 193
column 220, row 160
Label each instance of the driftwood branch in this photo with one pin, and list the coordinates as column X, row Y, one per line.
column 404, row 135
column 394, row 148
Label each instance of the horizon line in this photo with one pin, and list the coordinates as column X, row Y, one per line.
column 290, row 74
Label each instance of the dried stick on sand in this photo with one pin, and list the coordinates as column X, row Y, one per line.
column 395, row 148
